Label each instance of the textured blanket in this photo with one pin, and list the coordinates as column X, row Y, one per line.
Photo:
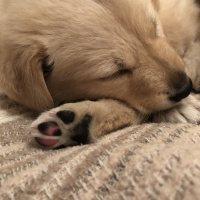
column 150, row 161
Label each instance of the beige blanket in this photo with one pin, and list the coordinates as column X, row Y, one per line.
column 151, row 161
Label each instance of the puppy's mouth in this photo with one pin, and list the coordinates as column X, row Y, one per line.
column 179, row 89
column 168, row 99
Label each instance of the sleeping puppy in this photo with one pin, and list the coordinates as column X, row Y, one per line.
column 139, row 53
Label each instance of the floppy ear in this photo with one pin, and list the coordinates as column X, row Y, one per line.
column 21, row 78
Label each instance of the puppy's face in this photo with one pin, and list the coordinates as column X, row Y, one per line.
column 100, row 49
column 119, row 52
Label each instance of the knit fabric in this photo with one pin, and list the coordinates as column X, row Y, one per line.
column 145, row 162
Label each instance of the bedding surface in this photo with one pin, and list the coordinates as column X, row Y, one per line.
column 150, row 161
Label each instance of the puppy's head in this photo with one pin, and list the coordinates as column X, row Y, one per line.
column 119, row 51
column 106, row 49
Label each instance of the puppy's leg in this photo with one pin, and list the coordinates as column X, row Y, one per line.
column 187, row 111
column 82, row 122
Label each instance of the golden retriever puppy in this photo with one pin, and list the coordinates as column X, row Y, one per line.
column 137, row 52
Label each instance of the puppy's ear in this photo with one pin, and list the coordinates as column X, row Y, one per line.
column 23, row 81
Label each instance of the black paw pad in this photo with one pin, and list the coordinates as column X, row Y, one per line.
column 66, row 116
column 57, row 133
column 81, row 131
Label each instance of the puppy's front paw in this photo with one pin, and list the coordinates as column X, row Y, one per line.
column 188, row 111
column 61, row 127
column 83, row 122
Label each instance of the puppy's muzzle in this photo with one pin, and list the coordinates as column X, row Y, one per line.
column 182, row 88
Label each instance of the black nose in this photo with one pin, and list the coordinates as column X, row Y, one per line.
column 183, row 91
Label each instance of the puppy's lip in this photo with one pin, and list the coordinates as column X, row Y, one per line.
column 163, row 104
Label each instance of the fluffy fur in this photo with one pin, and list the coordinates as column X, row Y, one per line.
column 134, row 51
column 98, row 49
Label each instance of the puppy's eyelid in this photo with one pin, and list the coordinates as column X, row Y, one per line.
column 117, row 74
column 122, row 66
column 119, row 63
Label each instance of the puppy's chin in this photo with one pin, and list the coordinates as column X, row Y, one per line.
column 153, row 106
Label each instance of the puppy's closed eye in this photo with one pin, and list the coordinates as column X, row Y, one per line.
column 123, row 70
column 119, row 73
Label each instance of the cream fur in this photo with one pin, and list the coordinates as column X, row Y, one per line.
column 90, row 42
column 134, row 51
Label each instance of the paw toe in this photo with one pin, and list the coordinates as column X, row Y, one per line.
column 66, row 116
column 81, row 130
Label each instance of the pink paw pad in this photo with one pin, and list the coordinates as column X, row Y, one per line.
column 48, row 129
